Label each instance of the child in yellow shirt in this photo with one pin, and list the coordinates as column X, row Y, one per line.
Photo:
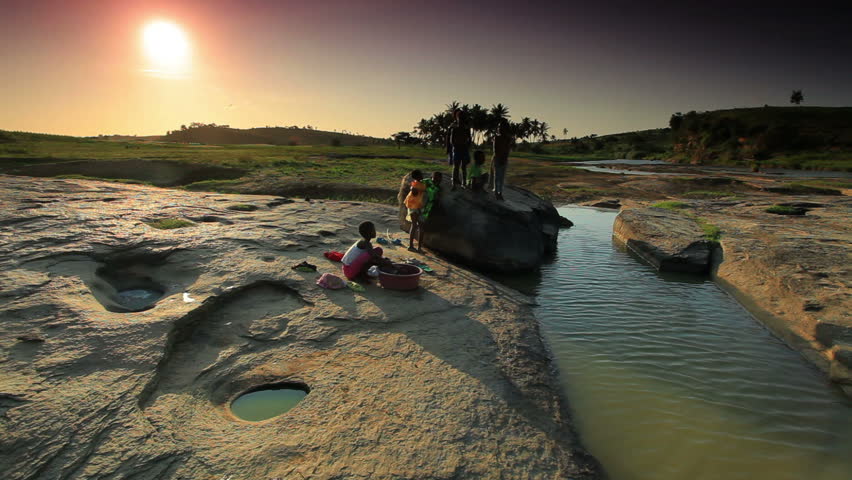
column 414, row 202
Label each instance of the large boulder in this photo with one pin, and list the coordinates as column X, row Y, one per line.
column 476, row 229
column 668, row 240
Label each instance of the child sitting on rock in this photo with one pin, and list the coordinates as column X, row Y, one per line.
column 361, row 255
column 477, row 178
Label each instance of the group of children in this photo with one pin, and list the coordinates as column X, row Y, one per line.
column 459, row 141
column 419, row 202
column 423, row 193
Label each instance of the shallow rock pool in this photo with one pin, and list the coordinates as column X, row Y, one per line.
column 267, row 403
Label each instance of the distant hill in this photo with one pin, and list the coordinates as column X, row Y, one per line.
column 8, row 136
column 818, row 138
column 218, row 135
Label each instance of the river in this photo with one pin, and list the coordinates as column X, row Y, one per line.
column 669, row 377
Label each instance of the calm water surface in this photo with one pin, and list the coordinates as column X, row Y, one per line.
column 670, row 378
column 264, row 404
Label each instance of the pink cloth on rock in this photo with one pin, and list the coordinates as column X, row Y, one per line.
column 331, row 281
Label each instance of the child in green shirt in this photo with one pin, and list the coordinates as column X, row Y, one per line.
column 476, row 177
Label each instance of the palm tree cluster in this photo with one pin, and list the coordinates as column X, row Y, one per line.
column 483, row 121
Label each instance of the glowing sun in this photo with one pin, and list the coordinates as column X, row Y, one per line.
column 166, row 45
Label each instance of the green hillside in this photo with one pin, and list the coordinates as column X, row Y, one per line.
column 814, row 138
column 818, row 138
column 643, row 144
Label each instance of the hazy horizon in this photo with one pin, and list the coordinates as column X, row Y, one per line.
column 82, row 68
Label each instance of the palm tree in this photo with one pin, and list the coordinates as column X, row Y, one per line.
column 543, row 127
column 525, row 128
column 499, row 111
column 452, row 107
column 496, row 114
column 479, row 122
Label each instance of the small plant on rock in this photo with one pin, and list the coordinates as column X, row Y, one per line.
column 671, row 205
column 786, row 210
column 169, row 223
column 242, row 207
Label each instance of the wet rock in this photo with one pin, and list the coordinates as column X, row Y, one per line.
column 829, row 334
column 448, row 381
column 565, row 223
column 806, row 205
column 279, row 201
column 812, row 307
column 475, row 228
column 843, row 355
column 30, row 338
column 668, row 240
column 612, row 203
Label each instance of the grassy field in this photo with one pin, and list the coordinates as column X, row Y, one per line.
column 364, row 173
column 370, row 173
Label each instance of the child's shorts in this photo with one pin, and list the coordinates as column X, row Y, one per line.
column 412, row 211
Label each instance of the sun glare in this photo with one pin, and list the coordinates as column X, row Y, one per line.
column 166, row 46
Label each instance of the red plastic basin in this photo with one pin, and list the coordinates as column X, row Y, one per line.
column 406, row 278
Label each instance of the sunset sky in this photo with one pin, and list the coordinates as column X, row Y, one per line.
column 81, row 67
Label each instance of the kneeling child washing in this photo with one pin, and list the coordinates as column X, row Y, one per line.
column 361, row 255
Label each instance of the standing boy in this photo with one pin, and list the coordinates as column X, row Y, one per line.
column 459, row 140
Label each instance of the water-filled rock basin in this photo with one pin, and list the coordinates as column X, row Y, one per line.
column 403, row 277
column 267, row 402
column 138, row 299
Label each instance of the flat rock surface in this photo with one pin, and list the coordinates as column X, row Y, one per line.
column 669, row 240
column 449, row 381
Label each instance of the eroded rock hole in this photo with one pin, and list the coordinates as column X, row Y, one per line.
column 126, row 290
column 268, row 401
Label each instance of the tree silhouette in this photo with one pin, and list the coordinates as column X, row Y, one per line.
column 543, row 128
column 482, row 121
column 797, row 97
column 499, row 111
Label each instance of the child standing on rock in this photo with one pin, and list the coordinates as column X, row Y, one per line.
column 361, row 255
column 419, row 202
column 414, row 202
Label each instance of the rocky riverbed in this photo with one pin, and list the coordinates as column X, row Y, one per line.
column 122, row 346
